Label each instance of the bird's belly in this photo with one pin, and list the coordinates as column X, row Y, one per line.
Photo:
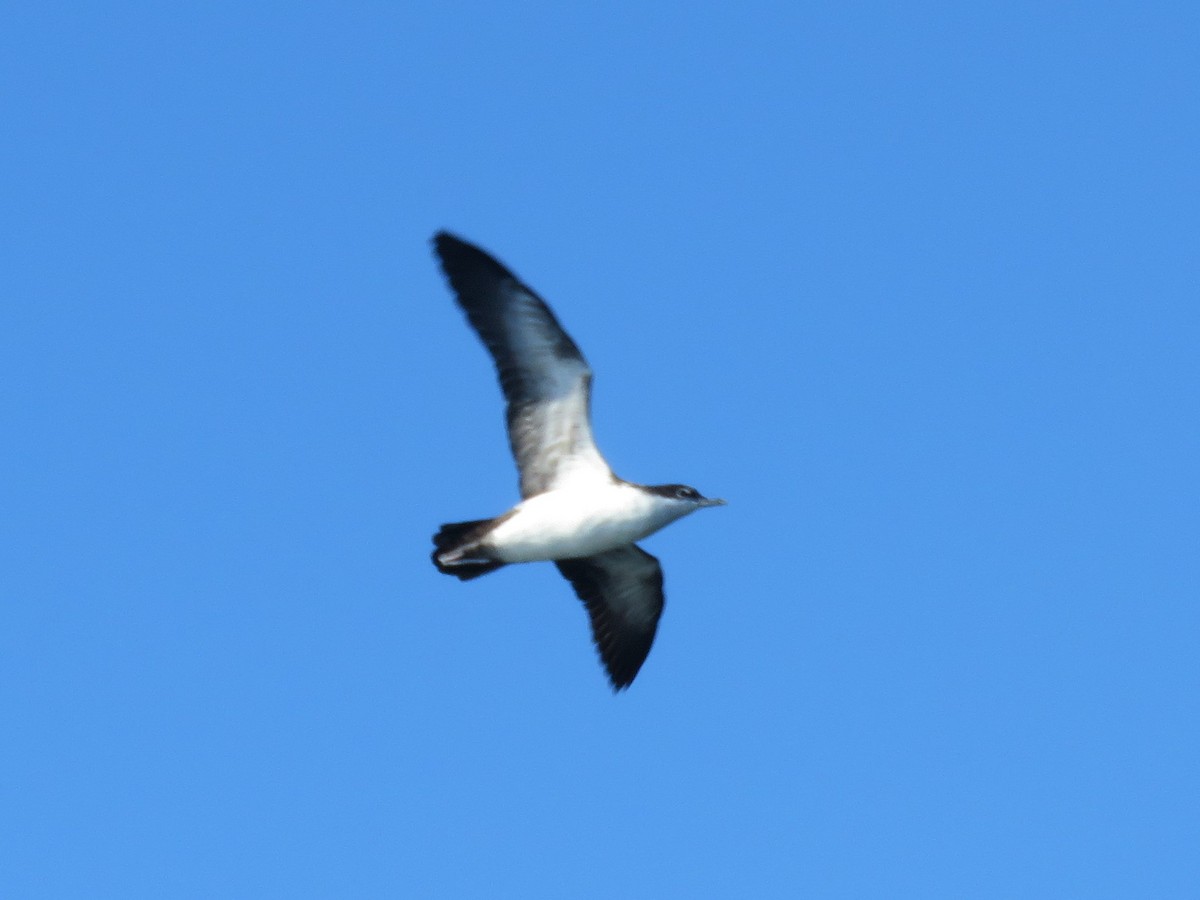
column 548, row 527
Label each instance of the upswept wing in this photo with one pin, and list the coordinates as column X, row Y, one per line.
column 545, row 378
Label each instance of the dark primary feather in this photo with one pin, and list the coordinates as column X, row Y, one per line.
column 545, row 378
column 623, row 592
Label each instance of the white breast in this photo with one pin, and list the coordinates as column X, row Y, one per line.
column 575, row 522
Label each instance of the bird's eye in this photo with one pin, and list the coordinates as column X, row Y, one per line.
column 686, row 493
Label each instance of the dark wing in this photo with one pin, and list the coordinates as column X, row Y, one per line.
column 545, row 378
column 623, row 592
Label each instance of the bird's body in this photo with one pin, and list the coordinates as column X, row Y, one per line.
column 574, row 522
column 575, row 512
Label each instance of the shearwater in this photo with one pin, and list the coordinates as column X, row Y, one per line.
column 574, row 511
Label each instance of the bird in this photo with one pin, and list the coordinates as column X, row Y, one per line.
column 573, row 510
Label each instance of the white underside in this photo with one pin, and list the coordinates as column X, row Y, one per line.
column 580, row 521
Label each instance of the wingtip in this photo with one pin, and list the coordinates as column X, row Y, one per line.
column 464, row 262
column 442, row 239
column 619, row 687
column 619, row 677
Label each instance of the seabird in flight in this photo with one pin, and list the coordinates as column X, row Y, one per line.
column 574, row 511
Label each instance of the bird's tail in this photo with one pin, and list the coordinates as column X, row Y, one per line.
column 458, row 550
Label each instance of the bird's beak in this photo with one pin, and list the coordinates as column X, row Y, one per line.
column 712, row 501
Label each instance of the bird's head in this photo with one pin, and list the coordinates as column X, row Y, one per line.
column 683, row 499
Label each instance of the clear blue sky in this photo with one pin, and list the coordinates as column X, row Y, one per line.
column 914, row 286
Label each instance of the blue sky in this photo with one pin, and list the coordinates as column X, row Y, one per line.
column 914, row 286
